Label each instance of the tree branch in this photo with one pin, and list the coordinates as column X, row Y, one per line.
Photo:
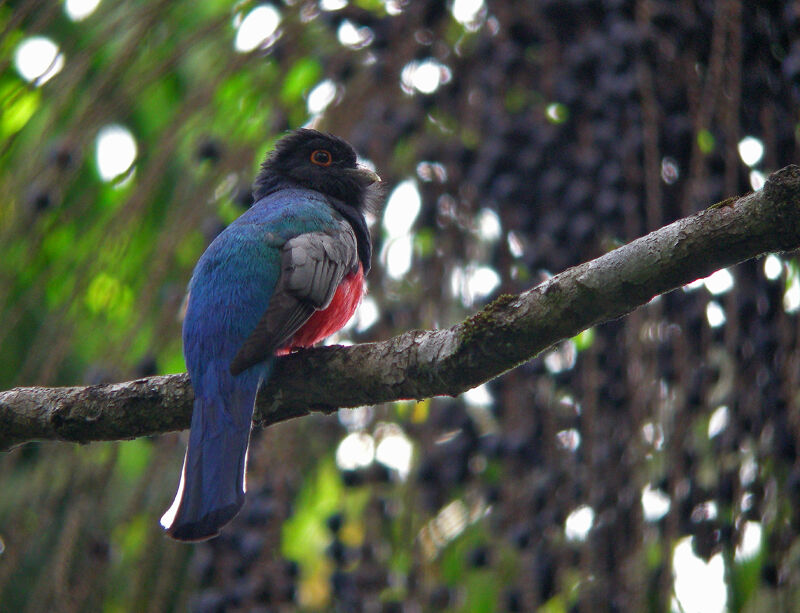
column 421, row 364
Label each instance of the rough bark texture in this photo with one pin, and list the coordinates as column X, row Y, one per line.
column 420, row 364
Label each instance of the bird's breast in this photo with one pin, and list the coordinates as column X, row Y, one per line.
column 327, row 321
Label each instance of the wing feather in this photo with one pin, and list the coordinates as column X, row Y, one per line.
column 312, row 267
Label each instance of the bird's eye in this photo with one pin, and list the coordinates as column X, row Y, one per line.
column 320, row 157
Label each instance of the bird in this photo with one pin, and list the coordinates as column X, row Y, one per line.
column 284, row 275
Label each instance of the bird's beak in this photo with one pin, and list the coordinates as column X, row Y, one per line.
column 364, row 175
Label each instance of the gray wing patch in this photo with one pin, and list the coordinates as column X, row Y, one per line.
column 315, row 264
column 312, row 267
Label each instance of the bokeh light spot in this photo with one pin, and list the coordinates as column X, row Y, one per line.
column 489, row 226
column 479, row 396
column 357, row 450
column 757, row 179
column 750, row 544
column 367, row 314
column 719, row 282
column 398, row 256
column 394, row 449
column 78, row 10
column 561, row 358
column 425, row 76
column 569, row 439
column 718, row 421
column 467, row 12
column 655, row 503
column 431, row 171
column 556, row 112
column 257, row 27
column 714, row 314
column 699, row 586
column 791, row 297
column 578, row 523
column 751, row 150
column 402, row 208
column 482, row 281
column 116, row 151
column 515, row 246
column 473, row 282
column 332, row 5
column 773, row 267
column 352, row 36
column 400, row 213
column 38, row 59
column 321, row 96
column 669, row 170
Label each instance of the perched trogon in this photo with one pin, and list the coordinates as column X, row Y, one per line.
column 286, row 274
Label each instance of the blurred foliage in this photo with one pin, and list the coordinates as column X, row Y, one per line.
column 573, row 126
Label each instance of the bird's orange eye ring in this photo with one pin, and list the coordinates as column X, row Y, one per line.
column 321, row 157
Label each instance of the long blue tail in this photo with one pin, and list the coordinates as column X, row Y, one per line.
column 212, row 485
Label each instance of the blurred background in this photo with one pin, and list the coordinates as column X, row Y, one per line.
column 649, row 464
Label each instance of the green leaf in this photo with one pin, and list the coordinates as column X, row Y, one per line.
column 305, row 535
column 108, row 295
column 483, row 591
column 133, row 458
column 157, row 106
column 705, row 141
column 304, row 73
column 132, row 536
column 19, row 105
column 374, row 6
column 554, row 605
column 59, row 289
column 59, row 241
column 171, row 360
column 424, row 242
column 584, row 340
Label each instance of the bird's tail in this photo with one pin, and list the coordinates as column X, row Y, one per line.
column 212, row 486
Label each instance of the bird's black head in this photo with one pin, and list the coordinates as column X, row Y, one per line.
column 322, row 162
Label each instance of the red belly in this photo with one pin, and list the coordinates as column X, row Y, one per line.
column 324, row 323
